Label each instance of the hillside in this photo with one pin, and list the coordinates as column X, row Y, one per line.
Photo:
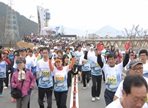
column 108, row 30
column 26, row 26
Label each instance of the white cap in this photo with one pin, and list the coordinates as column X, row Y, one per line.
column 55, row 47
column 91, row 47
column 84, row 49
column 11, row 49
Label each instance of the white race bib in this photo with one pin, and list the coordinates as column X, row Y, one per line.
column 45, row 74
column 112, row 79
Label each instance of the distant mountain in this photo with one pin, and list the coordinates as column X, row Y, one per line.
column 25, row 25
column 108, row 30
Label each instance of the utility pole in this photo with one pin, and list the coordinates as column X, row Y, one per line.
column 11, row 35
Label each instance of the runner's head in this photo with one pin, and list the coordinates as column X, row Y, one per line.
column 45, row 52
column 134, row 92
column 5, row 53
column 67, row 50
column 58, row 62
column 131, row 56
column 111, row 60
column 79, row 47
column 96, row 51
column 143, row 55
column 20, row 61
column 60, row 53
column 136, row 67
column 30, row 52
column 23, row 52
column 65, row 59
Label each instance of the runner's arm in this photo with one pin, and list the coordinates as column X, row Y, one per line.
column 85, row 56
column 115, row 98
column 7, row 61
column 126, row 59
column 72, row 63
column 13, row 84
column 99, row 60
column 118, row 93
column 50, row 65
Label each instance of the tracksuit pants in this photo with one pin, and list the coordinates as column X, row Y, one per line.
column 41, row 94
column 85, row 77
column 108, row 95
column 96, row 85
column 61, row 98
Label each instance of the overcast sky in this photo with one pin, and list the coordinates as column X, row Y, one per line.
column 88, row 14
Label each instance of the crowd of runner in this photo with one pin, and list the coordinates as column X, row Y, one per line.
column 52, row 63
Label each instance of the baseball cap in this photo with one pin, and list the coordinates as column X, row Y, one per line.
column 5, row 52
column 135, row 62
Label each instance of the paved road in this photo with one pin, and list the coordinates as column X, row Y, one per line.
column 84, row 99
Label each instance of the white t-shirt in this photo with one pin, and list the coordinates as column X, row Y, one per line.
column 120, row 88
column 30, row 62
column 3, row 69
column 44, row 74
column 78, row 55
column 113, row 76
column 145, row 68
column 117, row 104
column 60, row 79
column 34, row 59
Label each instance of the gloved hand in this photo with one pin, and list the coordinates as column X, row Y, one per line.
column 50, row 56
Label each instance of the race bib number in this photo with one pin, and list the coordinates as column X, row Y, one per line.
column 45, row 73
column 112, row 79
column 86, row 67
column 96, row 64
column 59, row 78
column 45, row 76
column 97, row 69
